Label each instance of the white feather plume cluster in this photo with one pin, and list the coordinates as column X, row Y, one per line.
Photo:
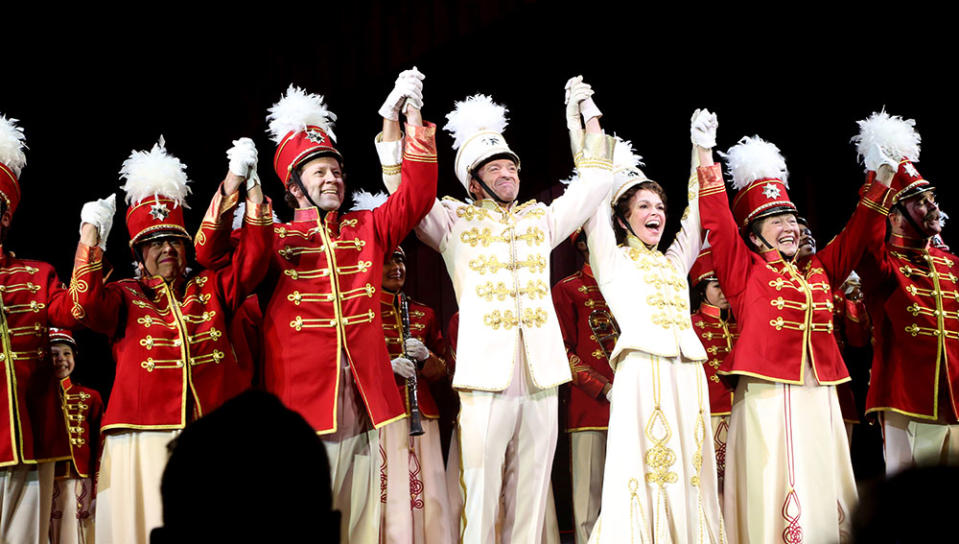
column 897, row 137
column 365, row 200
column 154, row 172
column 297, row 109
column 12, row 145
column 753, row 158
column 624, row 157
column 476, row 113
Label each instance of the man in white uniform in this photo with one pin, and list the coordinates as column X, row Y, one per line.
column 510, row 357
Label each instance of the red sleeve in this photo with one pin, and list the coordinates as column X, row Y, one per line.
column 731, row 256
column 584, row 376
column 59, row 303
column 213, row 241
column 435, row 367
column 864, row 232
column 856, row 323
column 100, row 307
column 248, row 263
column 405, row 208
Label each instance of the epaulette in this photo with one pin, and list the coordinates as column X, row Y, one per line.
column 453, row 200
column 574, row 276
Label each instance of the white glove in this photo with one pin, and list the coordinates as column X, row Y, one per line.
column 416, row 349
column 702, row 128
column 875, row 158
column 99, row 213
column 242, row 157
column 408, row 88
column 403, row 367
column 609, row 395
column 577, row 94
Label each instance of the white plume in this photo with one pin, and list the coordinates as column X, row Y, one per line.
column 12, row 145
column 624, row 157
column 754, row 158
column 154, row 172
column 364, row 200
column 241, row 211
column 476, row 113
column 897, row 137
column 297, row 109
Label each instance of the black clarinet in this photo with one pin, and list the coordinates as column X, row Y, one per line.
column 416, row 424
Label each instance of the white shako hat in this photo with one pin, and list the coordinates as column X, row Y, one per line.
column 476, row 125
column 626, row 172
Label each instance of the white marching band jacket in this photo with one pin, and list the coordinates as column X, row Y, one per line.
column 499, row 262
column 646, row 290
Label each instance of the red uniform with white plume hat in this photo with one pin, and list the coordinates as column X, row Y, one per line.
column 168, row 333
column 786, row 418
column 907, row 285
column 32, row 433
column 324, row 354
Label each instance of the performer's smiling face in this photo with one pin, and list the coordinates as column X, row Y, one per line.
column 394, row 272
column 164, row 257
column 647, row 216
column 500, row 175
column 924, row 210
column 782, row 231
column 63, row 363
column 807, row 243
column 323, row 180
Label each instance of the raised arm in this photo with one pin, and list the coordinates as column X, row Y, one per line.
column 249, row 262
column 864, row 234
column 689, row 240
column 95, row 306
column 393, row 149
column 213, row 242
column 731, row 256
column 593, row 157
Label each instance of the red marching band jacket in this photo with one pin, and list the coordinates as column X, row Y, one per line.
column 912, row 293
column 575, row 298
column 717, row 336
column 82, row 410
column 31, row 300
column 784, row 310
column 425, row 328
column 171, row 344
column 322, row 284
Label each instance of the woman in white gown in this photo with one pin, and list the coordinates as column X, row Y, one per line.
column 660, row 475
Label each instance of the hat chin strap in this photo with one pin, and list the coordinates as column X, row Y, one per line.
column 299, row 183
column 489, row 191
column 902, row 209
column 629, row 227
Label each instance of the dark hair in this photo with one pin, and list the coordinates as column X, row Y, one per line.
column 697, row 294
column 622, row 209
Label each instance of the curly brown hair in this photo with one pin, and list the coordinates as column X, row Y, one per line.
column 622, row 210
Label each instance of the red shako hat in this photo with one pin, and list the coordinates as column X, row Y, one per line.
column 12, row 161
column 156, row 190
column 302, row 127
column 760, row 177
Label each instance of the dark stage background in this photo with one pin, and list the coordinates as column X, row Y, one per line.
column 89, row 87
